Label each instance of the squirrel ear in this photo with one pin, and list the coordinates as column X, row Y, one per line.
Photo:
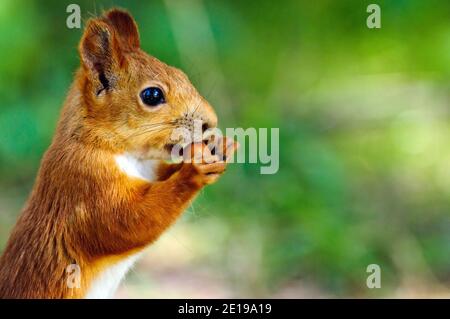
column 125, row 26
column 99, row 52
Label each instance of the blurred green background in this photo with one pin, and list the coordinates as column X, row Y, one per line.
column 364, row 118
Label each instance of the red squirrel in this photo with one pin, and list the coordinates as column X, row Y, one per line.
column 104, row 190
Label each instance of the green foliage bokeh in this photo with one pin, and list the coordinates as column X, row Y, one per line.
column 363, row 116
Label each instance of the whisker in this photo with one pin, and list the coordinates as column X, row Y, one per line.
column 149, row 129
column 186, row 109
column 157, row 124
column 125, row 125
column 161, row 128
column 196, row 109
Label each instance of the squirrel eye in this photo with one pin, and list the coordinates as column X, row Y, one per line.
column 152, row 96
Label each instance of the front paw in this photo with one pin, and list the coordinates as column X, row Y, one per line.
column 203, row 167
column 222, row 147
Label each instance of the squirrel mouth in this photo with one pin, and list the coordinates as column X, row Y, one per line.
column 168, row 147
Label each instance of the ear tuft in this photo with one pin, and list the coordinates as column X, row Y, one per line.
column 125, row 26
column 99, row 53
column 95, row 45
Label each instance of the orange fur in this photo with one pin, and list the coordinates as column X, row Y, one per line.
column 83, row 209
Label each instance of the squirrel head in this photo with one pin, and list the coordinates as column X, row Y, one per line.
column 133, row 101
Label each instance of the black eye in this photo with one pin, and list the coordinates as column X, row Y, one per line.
column 152, row 96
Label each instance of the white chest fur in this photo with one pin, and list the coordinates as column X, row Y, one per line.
column 135, row 167
column 105, row 285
